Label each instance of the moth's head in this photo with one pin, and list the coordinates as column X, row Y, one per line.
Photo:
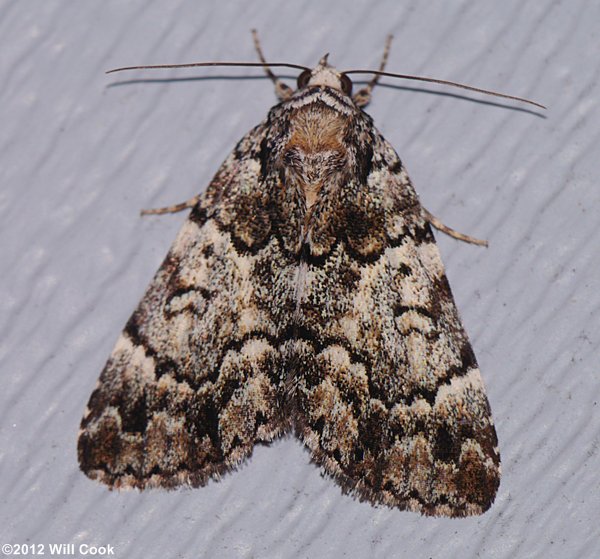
column 327, row 76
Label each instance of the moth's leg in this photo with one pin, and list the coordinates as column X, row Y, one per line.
column 435, row 222
column 173, row 209
column 363, row 96
column 283, row 91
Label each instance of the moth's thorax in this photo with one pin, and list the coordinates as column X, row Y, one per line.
column 319, row 115
column 315, row 129
column 315, row 151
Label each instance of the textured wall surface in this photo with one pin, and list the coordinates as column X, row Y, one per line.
column 81, row 153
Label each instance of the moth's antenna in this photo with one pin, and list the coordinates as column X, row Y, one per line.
column 200, row 64
column 299, row 67
column 446, row 82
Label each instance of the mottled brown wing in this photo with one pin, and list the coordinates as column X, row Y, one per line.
column 390, row 398
column 195, row 378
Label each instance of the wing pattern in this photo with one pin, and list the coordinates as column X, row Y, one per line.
column 306, row 292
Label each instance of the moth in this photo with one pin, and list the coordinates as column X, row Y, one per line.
column 304, row 293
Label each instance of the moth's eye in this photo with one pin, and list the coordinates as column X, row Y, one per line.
column 304, row 78
column 346, row 84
